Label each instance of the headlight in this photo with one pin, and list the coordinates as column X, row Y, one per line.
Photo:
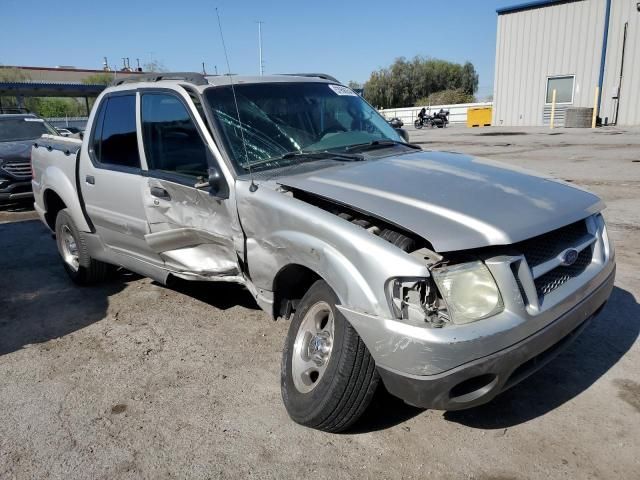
column 416, row 301
column 469, row 291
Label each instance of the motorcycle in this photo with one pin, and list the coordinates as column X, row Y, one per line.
column 439, row 119
column 395, row 122
column 422, row 122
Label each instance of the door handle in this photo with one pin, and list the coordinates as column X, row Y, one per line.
column 90, row 179
column 160, row 192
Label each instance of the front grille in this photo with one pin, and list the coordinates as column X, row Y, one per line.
column 539, row 249
column 548, row 247
column 557, row 277
column 21, row 169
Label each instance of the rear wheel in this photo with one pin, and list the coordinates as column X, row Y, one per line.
column 79, row 265
column 328, row 376
column 417, row 124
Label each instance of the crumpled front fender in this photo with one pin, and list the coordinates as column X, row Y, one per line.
column 282, row 230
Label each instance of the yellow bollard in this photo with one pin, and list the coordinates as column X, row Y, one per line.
column 595, row 108
column 553, row 108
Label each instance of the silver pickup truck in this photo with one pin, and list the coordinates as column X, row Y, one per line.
column 445, row 277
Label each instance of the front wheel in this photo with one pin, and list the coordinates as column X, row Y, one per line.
column 417, row 124
column 328, row 376
column 80, row 267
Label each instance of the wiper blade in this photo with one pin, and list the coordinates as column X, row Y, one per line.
column 320, row 155
column 324, row 154
column 379, row 144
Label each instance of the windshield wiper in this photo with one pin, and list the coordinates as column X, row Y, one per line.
column 321, row 155
column 324, row 154
column 379, row 144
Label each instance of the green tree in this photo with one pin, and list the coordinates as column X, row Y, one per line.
column 10, row 74
column 405, row 81
column 99, row 79
column 446, row 97
column 56, row 107
column 154, row 66
column 43, row 106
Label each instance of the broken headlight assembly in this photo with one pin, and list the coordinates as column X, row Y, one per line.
column 457, row 294
column 416, row 300
column 469, row 291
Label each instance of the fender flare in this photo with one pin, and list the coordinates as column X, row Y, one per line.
column 58, row 182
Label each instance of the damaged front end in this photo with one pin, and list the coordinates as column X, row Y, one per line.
column 459, row 290
column 458, row 293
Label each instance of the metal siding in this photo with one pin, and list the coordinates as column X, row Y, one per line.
column 562, row 39
column 623, row 11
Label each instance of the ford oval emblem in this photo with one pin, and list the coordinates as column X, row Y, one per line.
column 569, row 257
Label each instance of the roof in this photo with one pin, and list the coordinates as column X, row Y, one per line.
column 531, row 5
column 205, row 81
column 50, row 89
column 239, row 79
column 67, row 69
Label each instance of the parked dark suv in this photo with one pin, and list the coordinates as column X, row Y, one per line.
column 17, row 134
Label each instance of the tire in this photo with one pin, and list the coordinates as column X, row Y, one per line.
column 79, row 265
column 417, row 124
column 344, row 385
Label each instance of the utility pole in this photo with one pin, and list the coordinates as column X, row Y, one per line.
column 260, row 46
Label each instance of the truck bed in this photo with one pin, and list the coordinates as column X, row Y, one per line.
column 54, row 164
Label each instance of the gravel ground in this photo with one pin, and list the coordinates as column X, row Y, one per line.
column 134, row 380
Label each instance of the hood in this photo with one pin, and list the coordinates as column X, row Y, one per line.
column 15, row 151
column 454, row 201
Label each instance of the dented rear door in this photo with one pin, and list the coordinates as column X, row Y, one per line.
column 191, row 229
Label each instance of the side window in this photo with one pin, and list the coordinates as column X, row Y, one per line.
column 96, row 139
column 114, row 141
column 172, row 142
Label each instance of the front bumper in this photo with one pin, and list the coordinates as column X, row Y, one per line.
column 16, row 190
column 479, row 380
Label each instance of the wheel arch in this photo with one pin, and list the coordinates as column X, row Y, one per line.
column 53, row 203
column 59, row 183
column 289, row 286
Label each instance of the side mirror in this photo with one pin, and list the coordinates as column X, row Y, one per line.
column 216, row 184
column 403, row 133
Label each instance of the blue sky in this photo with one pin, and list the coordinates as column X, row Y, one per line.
column 343, row 38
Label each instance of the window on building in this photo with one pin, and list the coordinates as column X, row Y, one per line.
column 172, row 142
column 563, row 87
column 115, row 141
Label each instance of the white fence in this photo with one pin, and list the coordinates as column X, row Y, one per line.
column 62, row 122
column 457, row 113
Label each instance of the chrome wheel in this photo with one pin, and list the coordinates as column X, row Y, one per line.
column 312, row 347
column 69, row 248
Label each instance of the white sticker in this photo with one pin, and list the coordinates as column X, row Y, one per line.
column 30, row 119
column 340, row 90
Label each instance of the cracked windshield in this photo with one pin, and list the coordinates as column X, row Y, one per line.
column 285, row 122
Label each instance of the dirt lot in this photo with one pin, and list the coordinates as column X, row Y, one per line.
column 134, row 380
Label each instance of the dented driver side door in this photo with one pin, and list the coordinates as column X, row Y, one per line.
column 190, row 228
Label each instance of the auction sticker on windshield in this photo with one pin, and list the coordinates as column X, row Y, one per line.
column 340, row 90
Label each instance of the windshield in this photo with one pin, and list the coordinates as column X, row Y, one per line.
column 280, row 118
column 23, row 128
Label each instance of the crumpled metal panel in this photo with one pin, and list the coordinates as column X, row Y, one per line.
column 195, row 251
column 455, row 202
column 282, row 230
column 193, row 232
